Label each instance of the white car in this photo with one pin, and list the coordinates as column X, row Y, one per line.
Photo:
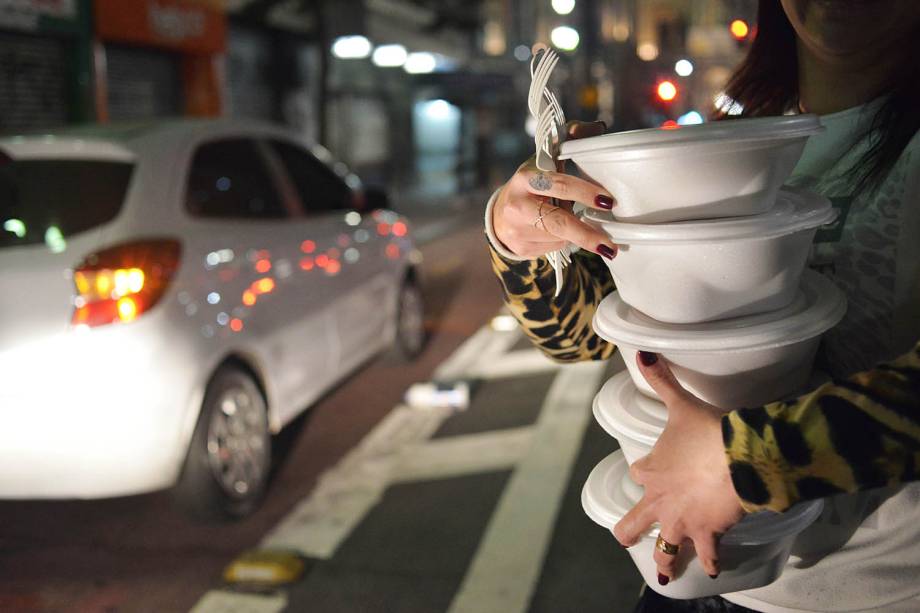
column 172, row 294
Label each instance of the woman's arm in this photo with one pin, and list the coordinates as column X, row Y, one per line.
column 855, row 434
column 559, row 326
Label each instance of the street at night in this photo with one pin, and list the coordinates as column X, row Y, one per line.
column 459, row 306
column 389, row 508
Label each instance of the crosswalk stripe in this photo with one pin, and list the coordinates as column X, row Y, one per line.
column 223, row 601
column 349, row 490
column 507, row 564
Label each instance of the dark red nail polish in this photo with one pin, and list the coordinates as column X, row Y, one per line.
column 603, row 201
column 716, row 576
column 662, row 579
column 648, row 358
column 606, row 251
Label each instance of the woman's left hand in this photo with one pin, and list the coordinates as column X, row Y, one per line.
column 688, row 488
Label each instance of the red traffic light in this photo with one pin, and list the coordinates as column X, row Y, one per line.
column 666, row 91
column 739, row 29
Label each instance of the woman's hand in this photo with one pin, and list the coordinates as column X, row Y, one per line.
column 688, row 488
column 529, row 225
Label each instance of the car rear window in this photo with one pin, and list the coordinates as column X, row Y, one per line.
column 46, row 200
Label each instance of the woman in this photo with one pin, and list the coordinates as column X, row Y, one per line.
column 854, row 441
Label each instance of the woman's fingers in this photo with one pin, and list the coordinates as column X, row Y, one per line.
column 667, row 562
column 563, row 224
column 534, row 249
column 564, row 187
column 635, row 523
column 706, row 545
column 582, row 129
column 659, row 376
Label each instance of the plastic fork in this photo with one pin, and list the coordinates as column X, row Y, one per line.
column 549, row 134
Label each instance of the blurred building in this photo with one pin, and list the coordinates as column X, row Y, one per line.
column 421, row 95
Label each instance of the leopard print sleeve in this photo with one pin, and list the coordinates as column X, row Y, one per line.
column 854, row 434
column 559, row 326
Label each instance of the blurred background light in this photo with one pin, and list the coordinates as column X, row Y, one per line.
column 565, row 38
column 690, row 119
column 727, row 104
column 351, row 47
column 684, row 68
column 437, row 109
column 739, row 29
column 647, row 51
column 522, row 53
column 54, row 239
column 420, row 62
column 390, row 56
column 16, row 226
column 667, row 91
column 563, row 7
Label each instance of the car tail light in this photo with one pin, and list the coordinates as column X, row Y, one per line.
column 121, row 283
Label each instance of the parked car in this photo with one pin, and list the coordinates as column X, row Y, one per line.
column 172, row 294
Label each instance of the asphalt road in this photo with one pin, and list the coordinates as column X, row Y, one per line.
column 389, row 509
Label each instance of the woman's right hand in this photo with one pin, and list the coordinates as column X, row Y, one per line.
column 529, row 225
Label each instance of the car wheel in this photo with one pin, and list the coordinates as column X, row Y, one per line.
column 229, row 458
column 410, row 322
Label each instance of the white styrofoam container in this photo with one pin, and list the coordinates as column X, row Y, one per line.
column 719, row 169
column 731, row 363
column 707, row 270
column 633, row 419
column 751, row 554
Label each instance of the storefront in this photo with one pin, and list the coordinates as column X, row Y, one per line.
column 158, row 58
column 45, row 64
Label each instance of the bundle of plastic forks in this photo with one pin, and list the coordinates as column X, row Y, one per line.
column 549, row 134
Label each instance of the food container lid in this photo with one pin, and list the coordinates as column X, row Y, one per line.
column 794, row 210
column 818, row 306
column 609, row 494
column 624, row 412
column 716, row 132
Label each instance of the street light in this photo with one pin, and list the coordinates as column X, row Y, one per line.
column 351, row 47
column 683, row 68
column 420, row 62
column 563, row 7
column 390, row 56
column 565, row 38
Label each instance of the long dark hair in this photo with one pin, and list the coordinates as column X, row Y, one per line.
column 767, row 83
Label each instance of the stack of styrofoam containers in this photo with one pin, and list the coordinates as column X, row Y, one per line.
column 710, row 274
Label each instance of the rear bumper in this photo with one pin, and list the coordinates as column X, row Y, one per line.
column 89, row 415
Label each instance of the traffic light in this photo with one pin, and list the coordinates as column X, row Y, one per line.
column 666, row 91
column 739, row 29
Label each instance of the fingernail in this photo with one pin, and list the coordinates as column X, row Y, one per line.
column 662, row 579
column 716, row 576
column 606, row 251
column 602, row 122
column 603, row 201
column 648, row 358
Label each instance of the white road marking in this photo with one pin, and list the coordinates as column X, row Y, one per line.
column 348, row 491
column 506, row 567
column 222, row 601
column 485, row 345
column 463, row 455
column 514, row 364
column 507, row 564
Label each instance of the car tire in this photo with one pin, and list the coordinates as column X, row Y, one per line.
column 410, row 334
column 228, row 463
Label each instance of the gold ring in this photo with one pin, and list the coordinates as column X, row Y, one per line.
column 665, row 547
